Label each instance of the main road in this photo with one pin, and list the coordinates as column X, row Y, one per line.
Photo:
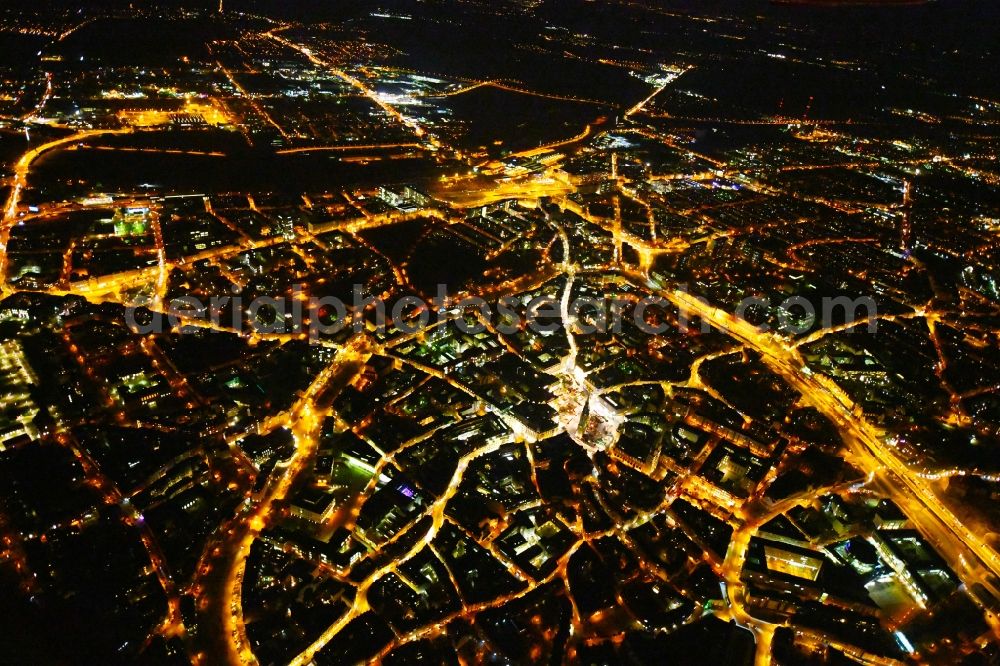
column 869, row 444
column 224, row 608
column 20, row 181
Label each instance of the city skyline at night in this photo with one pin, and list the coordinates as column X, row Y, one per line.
column 499, row 331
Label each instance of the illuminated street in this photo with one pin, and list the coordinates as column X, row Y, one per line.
column 514, row 332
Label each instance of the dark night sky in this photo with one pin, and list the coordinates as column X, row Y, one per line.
column 960, row 20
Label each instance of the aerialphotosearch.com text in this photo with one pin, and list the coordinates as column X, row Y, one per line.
column 325, row 316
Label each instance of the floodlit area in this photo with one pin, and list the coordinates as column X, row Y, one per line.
column 193, row 112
